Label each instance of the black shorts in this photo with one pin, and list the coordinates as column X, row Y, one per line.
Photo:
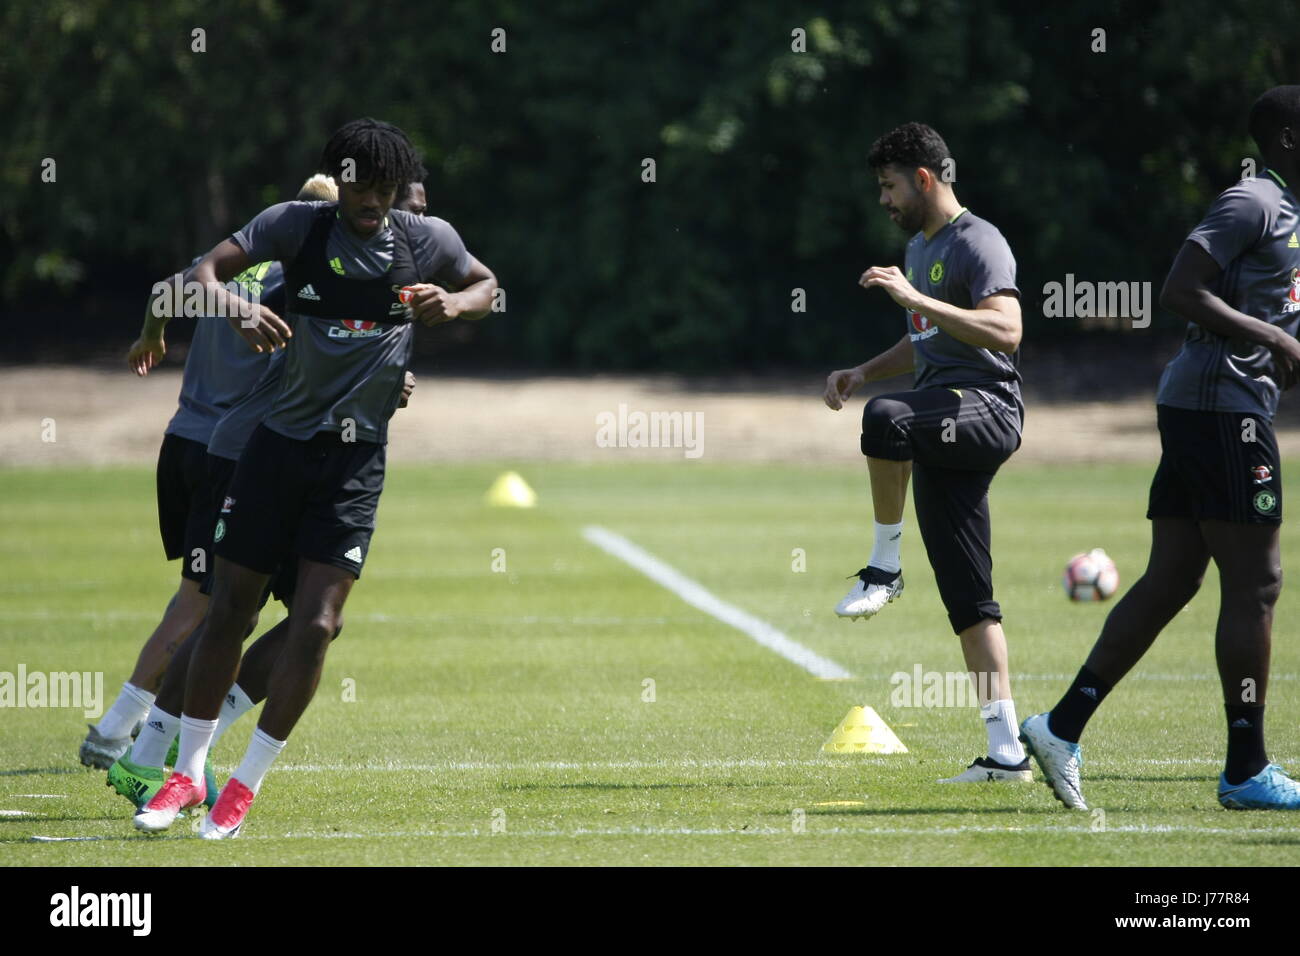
column 183, row 513
column 1220, row 466
column 956, row 440
column 315, row 498
column 220, row 472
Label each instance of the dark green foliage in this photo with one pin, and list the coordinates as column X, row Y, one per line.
column 1091, row 163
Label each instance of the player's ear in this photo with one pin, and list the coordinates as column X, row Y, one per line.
column 923, row 179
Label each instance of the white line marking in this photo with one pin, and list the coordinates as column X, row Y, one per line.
column 842, row 762
column 699, row 597
column 42, row 796
column 634, row 831
column 15, row 813
column 813, row 829
column 848, row 761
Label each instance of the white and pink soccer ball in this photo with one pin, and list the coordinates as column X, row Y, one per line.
column 1090, row 577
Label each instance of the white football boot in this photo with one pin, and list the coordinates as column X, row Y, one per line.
column 1059, row 760
column 874, row 589
column 988, row 770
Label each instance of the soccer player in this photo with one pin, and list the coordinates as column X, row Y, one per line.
column 952, row 431
column 220, row 370
column 412, row 198
column 1217, row 492
column 137, row 773
column 309, row 480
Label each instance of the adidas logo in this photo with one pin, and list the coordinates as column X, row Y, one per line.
column 307, row 292
column 156, row 725
column 1242, row 722
column 353, row 554
column 993, row 719
column 1293, row 242
column 230, row 699
column 1089, row 691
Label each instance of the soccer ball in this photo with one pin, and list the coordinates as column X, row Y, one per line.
column 1090, row 577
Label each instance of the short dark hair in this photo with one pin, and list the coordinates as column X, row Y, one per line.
column 404, row 191
column 1277, row 108
column 909, row 146
column 381, row 151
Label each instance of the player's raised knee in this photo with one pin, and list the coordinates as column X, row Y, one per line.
column 883, row 434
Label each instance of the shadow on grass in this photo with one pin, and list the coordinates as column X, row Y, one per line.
column 1271, row 840
column 925, row 811
column 594, row 785
column 36, row 771
column 98, row 838
column 68, row 818
column 1134, row 778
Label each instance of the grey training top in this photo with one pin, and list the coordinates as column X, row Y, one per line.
column 1250, row 231
column 963, row 263
column 235, row 427
column 221, row 367
column 353, row 369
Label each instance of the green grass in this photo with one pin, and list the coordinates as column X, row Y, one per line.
column 517, row 696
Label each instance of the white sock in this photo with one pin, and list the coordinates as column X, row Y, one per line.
column 261, row 753
column 196, row 737
column 1003, row 730
column 884, row 554
column 236, row 705
column 130, row 707
column 155, row 738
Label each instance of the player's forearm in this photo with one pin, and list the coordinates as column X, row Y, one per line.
column 895, row 360
column 231, row 306
column 1207, row 310
column 476, row 300
column 983, row 328
column 161, row 308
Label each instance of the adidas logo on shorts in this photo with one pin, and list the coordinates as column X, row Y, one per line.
column 307, row 292
column 353, row 554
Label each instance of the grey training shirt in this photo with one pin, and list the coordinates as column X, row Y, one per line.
column 1250, row 231
column 352, row 369
column 965, row 262
column 236, row 426
column 221, row 367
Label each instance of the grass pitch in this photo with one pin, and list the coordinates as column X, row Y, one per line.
column 500, row 716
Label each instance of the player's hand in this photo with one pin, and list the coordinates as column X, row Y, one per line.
column 841, row 385
column 263, row 330
column 433, row 304
column 892, row 280
column 1286, row 359
column 408, row 386
column 145, row 353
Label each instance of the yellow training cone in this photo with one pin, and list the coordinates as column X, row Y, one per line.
column 863, row 732
column 511, row 491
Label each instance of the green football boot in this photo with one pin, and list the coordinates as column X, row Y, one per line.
column 133, row 781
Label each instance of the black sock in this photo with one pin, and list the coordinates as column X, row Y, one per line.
column 1075, row 709
column 1246, row 756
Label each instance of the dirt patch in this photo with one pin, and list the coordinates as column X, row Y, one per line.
column 102, row 417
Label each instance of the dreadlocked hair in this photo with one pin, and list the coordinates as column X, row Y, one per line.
column 380, row 151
